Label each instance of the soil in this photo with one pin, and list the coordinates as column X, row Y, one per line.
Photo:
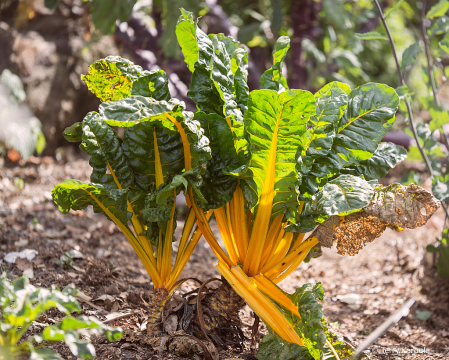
column 360, row 291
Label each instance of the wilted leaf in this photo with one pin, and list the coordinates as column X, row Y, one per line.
column 394, row 206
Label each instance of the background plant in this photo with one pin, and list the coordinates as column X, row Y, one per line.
column 21, row 304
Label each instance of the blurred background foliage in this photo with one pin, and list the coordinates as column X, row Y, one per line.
column 324, row 42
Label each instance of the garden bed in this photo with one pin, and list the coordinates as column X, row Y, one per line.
column 378, row 281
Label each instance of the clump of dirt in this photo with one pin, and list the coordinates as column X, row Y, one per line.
column 98, row 273
column 356, row 231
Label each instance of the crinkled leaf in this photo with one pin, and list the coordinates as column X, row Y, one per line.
column 107, row 159
column 170, row 116
column 223, row 78
column 140, row 150
column 385, row 158
column 116, row 78
column 272, row 78
column 218, row 188
column 310, row 324
column 344, row 194
column 274, row 126
column 105, row 13
column 80, row 348
column 331, row 102
column 78, row 195
column 438, row 9
column 274, row 347
column 73, row 133
column 367, row 118
column 409, row 55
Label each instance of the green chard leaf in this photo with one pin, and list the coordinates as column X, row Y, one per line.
column 169, row 115
column 116, row 78
column 78, row 195
column 331, row 102
column 219, row 69
column 275, row 122
column 143, row 144
column 344, row 194
column 310, row 325
column 107, row 159
column 367, row 118
column 385, row 158
column 73, row 133
column 218, row 188
column 440, row 187
column 43, row 354
column 272, row 78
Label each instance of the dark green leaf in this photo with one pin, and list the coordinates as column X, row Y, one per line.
column 385, row 158
column 218, row 188
column 105, row 13
column 368, row 117
column 108, row 162
column 344, row 194
column 272, row 78
column 443, row 261
column 331, row 102
column 139, row 149
column 78, row 195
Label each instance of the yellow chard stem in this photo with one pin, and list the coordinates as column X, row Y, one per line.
column 239, row 225
column 220, row 216
column 275, row 293
column 179, row 267
column 279, row 252
column 203, row 225
column 292, row 261
column 168, row 244
column 187, row 229
column 276, row 231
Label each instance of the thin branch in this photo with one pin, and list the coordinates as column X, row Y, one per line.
column 426, row 49
column 407, row 103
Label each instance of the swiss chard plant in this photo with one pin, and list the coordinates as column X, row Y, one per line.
column 21, row 305
column 270, row 165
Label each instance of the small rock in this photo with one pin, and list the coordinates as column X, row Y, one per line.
column 352, row 300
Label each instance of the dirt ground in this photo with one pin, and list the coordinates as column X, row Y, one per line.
column 361, row 291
